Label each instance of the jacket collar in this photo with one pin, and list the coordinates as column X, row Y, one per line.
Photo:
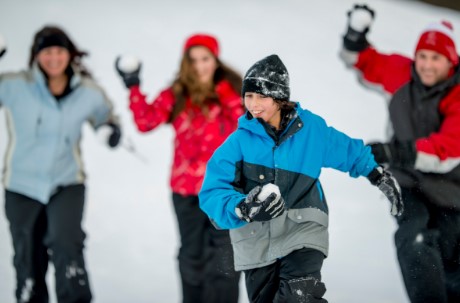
column 259, row 127
column 40, row 77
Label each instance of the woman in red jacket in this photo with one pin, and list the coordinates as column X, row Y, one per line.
column 203, row 105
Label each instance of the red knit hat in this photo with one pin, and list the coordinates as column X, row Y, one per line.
column 439, row 37
column 203, row 40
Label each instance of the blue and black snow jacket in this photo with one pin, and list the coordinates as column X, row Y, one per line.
column 251, row 157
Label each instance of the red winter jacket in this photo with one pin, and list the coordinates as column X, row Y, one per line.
column 440, row 151
column 197, row 135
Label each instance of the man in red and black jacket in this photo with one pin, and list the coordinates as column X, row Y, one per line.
column 423, row 152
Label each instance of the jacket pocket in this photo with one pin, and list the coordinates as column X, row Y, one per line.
column 303, row 215
column 249, row 231
column 250, row 245
column 254, row 175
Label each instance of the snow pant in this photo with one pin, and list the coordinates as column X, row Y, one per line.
column 292, row 279
column 428, row 248
column 205, row 256
column 51, row 232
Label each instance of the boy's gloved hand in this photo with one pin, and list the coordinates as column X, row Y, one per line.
column 128, row 67
column 385, row 181
column 109, row 134
column 2, row 46
column 360, row 18
column 261, row 204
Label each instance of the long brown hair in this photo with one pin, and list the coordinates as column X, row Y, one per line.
column 75, row 53
column 187, row 85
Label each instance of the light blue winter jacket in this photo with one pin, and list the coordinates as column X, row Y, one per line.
column 43, row 149
column 251, row 157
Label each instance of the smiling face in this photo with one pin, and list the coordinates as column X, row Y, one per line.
column 263, row 107
column 54, row 61
column 432, row 67
column 204, row 63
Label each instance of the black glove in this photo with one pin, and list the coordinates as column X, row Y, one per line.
column 2, row 46
column 261, row 204
column 396, row 153
column 385, row 181
column 128, row 67
column 110, row 134
column 114, row 138
column 360, row 18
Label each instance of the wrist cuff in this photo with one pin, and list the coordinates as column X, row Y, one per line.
column 355, row 41
column 375, row 175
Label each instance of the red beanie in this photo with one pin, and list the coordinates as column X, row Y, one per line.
column 203, row 40
column 439, row 37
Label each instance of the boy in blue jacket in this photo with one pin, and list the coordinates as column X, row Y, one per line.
column 263, row 184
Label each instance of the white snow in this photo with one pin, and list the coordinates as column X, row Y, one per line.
column 267, row 190
column 360, row 19
column 419, row 238
column 132, row 237
column 128, row 63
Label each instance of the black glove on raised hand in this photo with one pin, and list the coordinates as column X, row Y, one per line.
column 261, row 204
column 360, row 18
column 396, row 153
column 2, row 46
column 128, row 67
column 110, row 134
column 385, row 181
column 114, row 138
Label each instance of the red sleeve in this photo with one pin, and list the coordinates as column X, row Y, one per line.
column 390, row 71
column 230, row 100
column 445, row 143
column 149, row 116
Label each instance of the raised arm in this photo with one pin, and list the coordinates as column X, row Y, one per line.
column 147, row 116
column 387, row 72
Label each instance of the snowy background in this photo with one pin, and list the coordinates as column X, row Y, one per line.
column 132, row 236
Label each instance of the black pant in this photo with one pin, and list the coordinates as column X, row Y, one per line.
column 293, row 279
column 428, row 247
column 205, row 256
column 49, row 232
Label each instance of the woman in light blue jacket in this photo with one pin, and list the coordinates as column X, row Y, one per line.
column 43, row 177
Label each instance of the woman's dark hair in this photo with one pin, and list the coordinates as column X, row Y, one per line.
column 53, row 35
column 187, row 85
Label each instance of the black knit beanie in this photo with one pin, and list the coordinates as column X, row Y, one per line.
column 51, row 39
column 268, row 77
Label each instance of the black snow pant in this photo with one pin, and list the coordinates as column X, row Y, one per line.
column 51, row 232
column 295, row 278
column 428, row 248
column 205, row 256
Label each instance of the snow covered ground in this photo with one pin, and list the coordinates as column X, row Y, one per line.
column 132, row 236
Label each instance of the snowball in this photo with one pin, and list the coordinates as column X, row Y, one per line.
column 360, row 19
column 267, row 190
column 128, row 63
